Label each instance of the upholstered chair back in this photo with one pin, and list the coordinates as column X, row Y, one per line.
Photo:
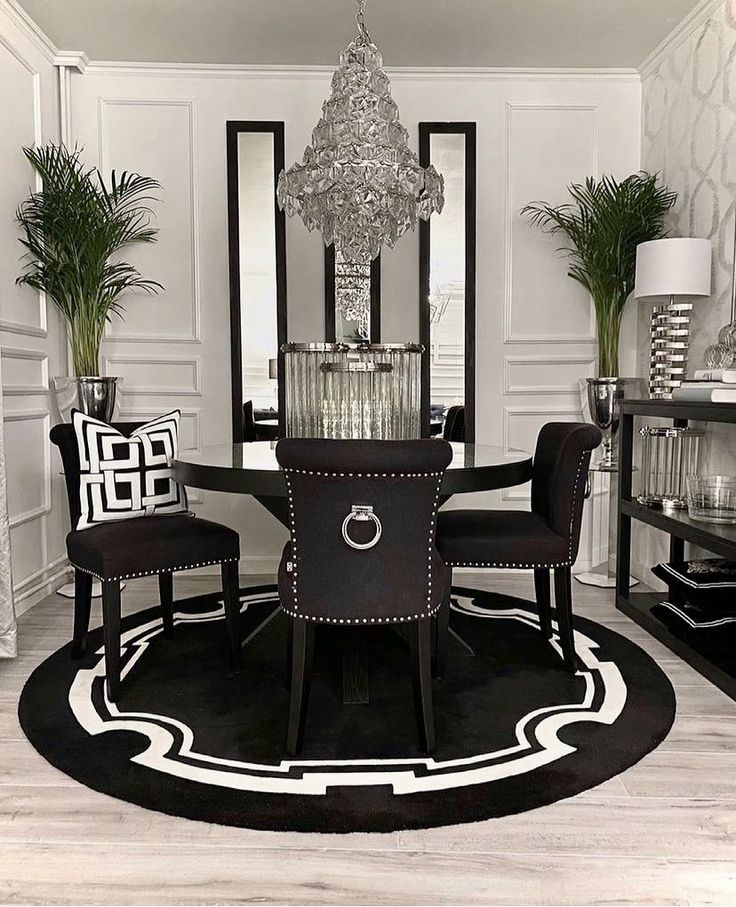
column 363, row 517
column 249, row 422
column 62, row 436
column 454, row 429
column 560, row 476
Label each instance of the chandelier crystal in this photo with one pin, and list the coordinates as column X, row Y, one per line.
column 359, row 183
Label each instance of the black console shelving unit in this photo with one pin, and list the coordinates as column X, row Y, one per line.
column 714, row 654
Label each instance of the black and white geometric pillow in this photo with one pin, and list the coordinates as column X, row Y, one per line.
column 122, row 478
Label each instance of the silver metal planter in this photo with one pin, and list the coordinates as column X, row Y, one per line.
column 94, row 396
column 601, row 398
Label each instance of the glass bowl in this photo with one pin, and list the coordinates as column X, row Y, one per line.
column 712, row 499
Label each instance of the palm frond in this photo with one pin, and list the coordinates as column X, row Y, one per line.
column 601, row 228
column 73, row 232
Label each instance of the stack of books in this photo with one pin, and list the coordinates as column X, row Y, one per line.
column 709, row 386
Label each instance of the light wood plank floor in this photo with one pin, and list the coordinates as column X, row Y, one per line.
column 663, row 832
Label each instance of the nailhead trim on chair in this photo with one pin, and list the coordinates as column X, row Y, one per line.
column 293, row 611
column 574, row 496
column 507, row 566
column 112, row 579
column 365, row 475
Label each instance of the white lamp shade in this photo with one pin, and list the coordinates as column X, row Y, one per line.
column 673, row 267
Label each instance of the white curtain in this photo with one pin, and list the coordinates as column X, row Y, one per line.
column 8, row 630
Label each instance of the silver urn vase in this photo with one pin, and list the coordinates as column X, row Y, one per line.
column 600, row 399
column 95, row 396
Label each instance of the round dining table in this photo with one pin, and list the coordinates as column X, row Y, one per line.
column 251, row 468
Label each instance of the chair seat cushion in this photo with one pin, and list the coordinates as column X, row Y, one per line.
column 151, row 545
column 499, row 538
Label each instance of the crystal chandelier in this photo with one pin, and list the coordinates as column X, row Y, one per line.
column 359, row 183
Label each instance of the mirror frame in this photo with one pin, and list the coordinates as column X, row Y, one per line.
column 330, row 313
column 234, row 129
column 469, row 130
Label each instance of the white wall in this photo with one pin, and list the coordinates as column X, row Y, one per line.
column 534, row 327
column 32, row 345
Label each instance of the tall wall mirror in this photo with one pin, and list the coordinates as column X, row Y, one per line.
column 447, row 276
column 346, row 282
column 257, row 249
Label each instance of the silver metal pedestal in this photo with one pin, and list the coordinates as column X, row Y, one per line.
column 604, row 575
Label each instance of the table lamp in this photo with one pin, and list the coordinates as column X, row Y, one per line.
column 671, row 267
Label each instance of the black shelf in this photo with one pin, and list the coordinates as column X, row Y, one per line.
column 720, row 539
column 708, row 651
column 711, row 652
column 681, row 410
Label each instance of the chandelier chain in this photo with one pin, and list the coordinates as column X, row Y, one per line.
column 360, row 20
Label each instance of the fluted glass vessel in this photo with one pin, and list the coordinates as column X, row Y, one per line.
column 337, row 390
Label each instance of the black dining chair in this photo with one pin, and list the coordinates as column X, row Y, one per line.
column 454, row 427
column 144, row 546
column 543, row 540
column 362, row 552
column 252, row 431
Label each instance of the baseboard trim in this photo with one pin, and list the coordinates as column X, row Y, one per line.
column 39, row 585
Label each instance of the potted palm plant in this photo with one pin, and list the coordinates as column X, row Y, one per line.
column 602, row 226
column 74, row 230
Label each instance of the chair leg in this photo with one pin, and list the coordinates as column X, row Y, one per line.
column 82, row 609
column 302, row 654
column 166, row 596
column 563, row 606
column 231, row 594
column 542, row 591
column 442, row 630
column 289, row 644
column 111, row 632
column 421, row 659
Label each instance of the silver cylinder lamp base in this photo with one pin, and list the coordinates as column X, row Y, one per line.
column 670, row 344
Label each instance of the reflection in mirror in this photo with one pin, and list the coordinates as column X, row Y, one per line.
column 447, row 278
column 257, row 277
column 350, row 286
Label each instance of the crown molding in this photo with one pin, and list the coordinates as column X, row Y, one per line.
column 20, row 18
column 259, row 71
column 72, row 59
column 679, row 34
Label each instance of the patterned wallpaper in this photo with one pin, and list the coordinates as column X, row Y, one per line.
column 689, row 136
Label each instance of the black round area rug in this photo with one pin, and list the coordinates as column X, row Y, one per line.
column 514, row 731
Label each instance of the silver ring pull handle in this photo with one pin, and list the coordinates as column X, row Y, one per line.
column 361, row 513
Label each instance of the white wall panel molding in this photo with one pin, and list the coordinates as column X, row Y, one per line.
column 14, row 14
column 32, row 341
column 37, row 585
column 24, row 379
column 682, row 31
column 545, row 368
column 72, row 59
column 514, row 204
column 14, row 326
column 105, row 105
column 540, row 415
column 168, row 375
column 22, row 477
column 301, row 71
